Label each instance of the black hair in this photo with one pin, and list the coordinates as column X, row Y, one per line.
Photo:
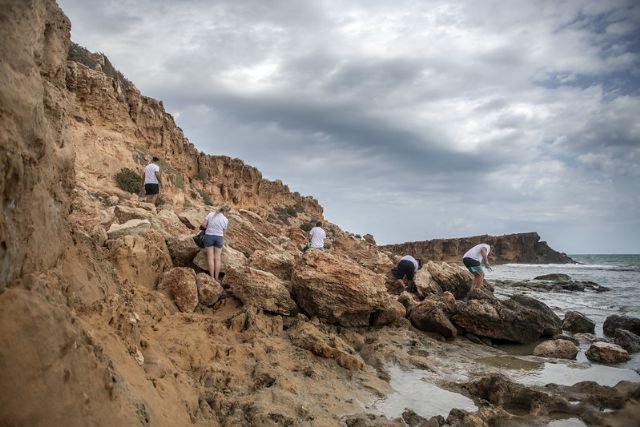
column 419, row 263
column 155, row 159
column 319, row 224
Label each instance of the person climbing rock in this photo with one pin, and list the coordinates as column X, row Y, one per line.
column 316, row 238
column 407, row 268
column 152, row 180
column 473, row 260
column 215, row 225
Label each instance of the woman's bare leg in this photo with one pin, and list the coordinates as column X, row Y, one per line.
column 218, row 262
column 210, row 261
column 478, row 280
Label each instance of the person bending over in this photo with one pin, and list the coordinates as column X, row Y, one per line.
column 407, row 267
column 473, row 260
column 215, row 225
column 316, row 237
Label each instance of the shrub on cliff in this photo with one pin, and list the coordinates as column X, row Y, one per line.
column 128, row 180
column 307, row 226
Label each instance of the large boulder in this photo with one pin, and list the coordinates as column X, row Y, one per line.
column 127, row 213
column 338, row 290
column 278, row 263
column 209, row 291
column 182, row 249
column 430, row 316
column 613, row 322
column 518, row 319
column 560, row 349
column 193, row 217
column 139, row 259
column 181, row 282
column 577, row 322
column 230, row 258
column 260, row 289
column 627, row 340
column 134, row 226
column 243, row 236
column 605, row 352
column 450, row 278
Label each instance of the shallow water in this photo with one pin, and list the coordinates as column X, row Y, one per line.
column 412, row 391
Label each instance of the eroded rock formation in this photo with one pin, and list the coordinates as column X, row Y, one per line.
column 521, row 248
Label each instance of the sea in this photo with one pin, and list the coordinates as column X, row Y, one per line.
column 417, row 390
column 620, row 273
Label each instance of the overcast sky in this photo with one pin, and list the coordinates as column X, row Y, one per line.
column 410, row 120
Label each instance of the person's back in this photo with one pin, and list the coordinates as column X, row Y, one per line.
column 152, row 180
column 216, row 224
column 476, row 252
column 317, row 236
column 150, row 176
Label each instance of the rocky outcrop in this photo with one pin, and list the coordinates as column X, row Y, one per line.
column 181, row 282
column 627, row 340
column 134, row 226
column 430, row 316
column 518, row 319
column 559, row 349
column 278, row 263
column 338, row 290
column 521, row 248
column 577, row 322
column 230, row 258
column 260, row 289
column 209, row 291
column 605, row 352
column 615, row 321
column 307, row 336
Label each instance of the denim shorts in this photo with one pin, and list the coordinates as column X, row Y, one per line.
column 211, row 240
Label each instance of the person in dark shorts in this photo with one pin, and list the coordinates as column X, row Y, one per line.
column 152, row 181
column 407, row 267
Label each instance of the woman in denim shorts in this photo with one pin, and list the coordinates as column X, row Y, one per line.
column 215, row 225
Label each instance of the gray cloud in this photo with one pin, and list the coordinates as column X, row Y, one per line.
column 406, row 119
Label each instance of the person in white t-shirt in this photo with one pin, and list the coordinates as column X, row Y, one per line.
column 215, row 224
column 407, row 268
column 152, row 180
column 473, row 260
column 316, row 237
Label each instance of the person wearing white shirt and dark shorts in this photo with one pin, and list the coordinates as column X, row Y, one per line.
column 215, row 225
column 474, row 258
column 152, row 181
column 316, row 237
column 407, row 267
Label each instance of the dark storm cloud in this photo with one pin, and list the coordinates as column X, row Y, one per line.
column 410, row 120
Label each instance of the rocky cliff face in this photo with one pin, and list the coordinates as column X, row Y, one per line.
column 521, row 248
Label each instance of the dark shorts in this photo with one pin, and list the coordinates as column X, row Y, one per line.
column 151, row 189
column 215, row 241
column 472, row 265
column 404, row 268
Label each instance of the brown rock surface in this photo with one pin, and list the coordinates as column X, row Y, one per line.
column 277, row 263
column 519, row 319
column 307, row 336
column 560, row 349
column 615, row 321
column 605, row 352
column 230, row 258
column 521, row 247
column 134, row 226
column 430, row 316
column 181, row 282
column 260, row 289
column 338, row 290
column 209, row 291
column 575, row 321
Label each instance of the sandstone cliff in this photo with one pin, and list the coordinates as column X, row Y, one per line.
column 520, row 248
column 106, row 317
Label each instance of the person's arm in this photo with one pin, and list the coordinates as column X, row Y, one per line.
column 204, row 224
column 485, row 260
column 158, row 177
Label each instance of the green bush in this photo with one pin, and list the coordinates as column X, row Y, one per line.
column 291, row 211
column 128, row 180
column 307, row 226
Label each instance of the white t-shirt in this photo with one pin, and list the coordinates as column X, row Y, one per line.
column 474, row 252
column 216, row 224
column 150, row 173
column 412, row 259
column 317, row 236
